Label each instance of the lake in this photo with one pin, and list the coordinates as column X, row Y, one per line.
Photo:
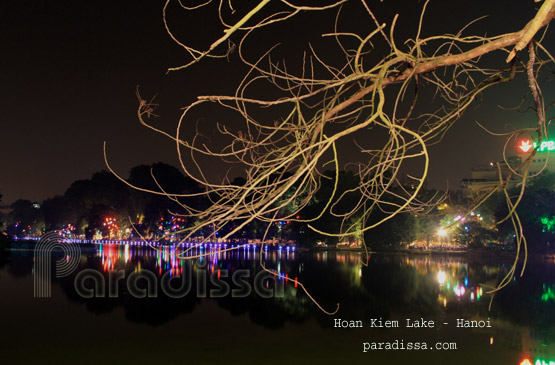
column 137, row 304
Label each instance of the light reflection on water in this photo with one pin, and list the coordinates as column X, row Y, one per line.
column 389, row 286
column 173, row 259
column 452, row 274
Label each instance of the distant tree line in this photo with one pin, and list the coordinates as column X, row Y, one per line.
column 103, row 206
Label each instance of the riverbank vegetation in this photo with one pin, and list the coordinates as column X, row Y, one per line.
column 103, row 207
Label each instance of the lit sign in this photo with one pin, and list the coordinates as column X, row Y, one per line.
column 544, row 362
column 545, row 146
column 538, row 362
column 525, row 146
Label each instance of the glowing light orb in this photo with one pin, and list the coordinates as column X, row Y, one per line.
column 441, row 277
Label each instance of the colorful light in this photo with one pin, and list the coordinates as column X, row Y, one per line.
column 441, row 277
column 545, row 146
column 543, row 362
column 548, row 293
column 548, row 224
column 525, row 146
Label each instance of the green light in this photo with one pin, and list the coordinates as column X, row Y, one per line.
column 544, row 362
column 545, row 146
column 548, row 224
column 548, row 293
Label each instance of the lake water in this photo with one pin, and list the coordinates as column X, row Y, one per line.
column 149, row 306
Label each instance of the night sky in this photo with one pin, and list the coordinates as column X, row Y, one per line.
column 70, row 70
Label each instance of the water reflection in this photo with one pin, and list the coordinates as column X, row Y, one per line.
column 388, row 286
column 172, row 258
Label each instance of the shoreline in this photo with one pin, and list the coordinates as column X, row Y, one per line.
column 29, row 245
column 461, row 252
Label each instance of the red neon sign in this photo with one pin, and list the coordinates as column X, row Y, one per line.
column 525, row 146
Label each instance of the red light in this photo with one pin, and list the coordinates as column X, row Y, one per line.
column 526, row 362
column 525, row 145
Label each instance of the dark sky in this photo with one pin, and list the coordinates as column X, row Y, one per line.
column 70, row 70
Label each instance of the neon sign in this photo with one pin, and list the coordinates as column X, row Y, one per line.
column 527, row 361
column 545, row 146
column 525, row 146
column 544, row 362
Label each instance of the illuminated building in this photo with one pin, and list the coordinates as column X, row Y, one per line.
column 542, row 159
column 485, row 177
